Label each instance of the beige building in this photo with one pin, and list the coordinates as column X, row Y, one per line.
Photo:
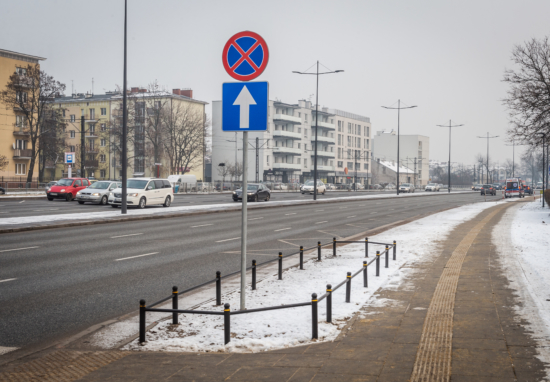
column 14, row 141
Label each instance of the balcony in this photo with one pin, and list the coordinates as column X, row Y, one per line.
column 324, row 168
column 324, row 125
column 287, row 119
column 287, row 166
column 323, row 139
column 22, row 154
column 91, row 135
column 322, row 153
column 90, row 118
column 286, row 134
column 93, row 150
column 20, row 130
column 287, row 150
column 91, row 163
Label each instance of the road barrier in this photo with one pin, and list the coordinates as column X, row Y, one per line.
column 227, row 313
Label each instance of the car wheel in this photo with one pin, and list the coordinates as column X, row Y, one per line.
column 50, row 199
column 80, row 202
column 114, row 206
column 104, row 200
column 256, row 198
column 69, row 197
column 142, row 202
column 267, row 198
column 167, row 202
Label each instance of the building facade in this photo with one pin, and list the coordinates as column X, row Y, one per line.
column 385, row 172
column 414, row 153
column 14, row 140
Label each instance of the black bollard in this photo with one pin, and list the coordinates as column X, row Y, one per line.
column 394, row 250
column 348, row 287
column 253, row 274
column 387, row 256
column 329, row 303
column 333, row 247
column 377, row 263
column 174, row 305
column 314, row 324
column 218, row 288
column 365, row 275
column 319, row 250
column 366, row 247
column 301, row 257
column 280, row 265
column 226, row 324
column 142, row 323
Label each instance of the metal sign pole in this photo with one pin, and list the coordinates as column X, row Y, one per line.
column 244, row 195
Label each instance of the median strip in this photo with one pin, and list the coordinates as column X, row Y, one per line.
column 133, row 257
column 131, row 234
column 6, row 280
column 17, row 249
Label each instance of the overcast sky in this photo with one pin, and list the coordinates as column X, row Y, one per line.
column 447, row 57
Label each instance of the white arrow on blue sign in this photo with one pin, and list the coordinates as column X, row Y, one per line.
column 244, row 106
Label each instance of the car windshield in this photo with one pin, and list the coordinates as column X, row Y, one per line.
column 133, row 183
column 309, row 183
column 100, row 185
column 512, row 185
column 487, row 186
column 252, row 187
column 405, row 185
column 431, row 184
column 64, row 182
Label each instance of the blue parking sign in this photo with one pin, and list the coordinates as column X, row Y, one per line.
column 244, row 106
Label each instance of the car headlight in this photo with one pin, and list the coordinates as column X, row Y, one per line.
column 78, row 193
column 234, row 192
column 133, row 195
column 250, row 193
column 63, row 190
column 96, row 194
column 110, row 194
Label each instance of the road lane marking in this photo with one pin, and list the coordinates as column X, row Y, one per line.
column 351, row 216
column 256, row 218
column 22, row 201
column 131, row 234
column 4, row 212
column 326, row 221
column 133, row 257
column 282, row 229
column 5, row 349
column 3, row 281
column 221, row 241
column 319, row 210
column 202, row 225
column 17, row 249
column 293, row 213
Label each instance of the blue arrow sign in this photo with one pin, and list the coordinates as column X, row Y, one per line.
column 244, row 106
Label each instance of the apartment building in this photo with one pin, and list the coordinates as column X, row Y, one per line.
column 414, row 152
column 14, row 140
column 286, row 151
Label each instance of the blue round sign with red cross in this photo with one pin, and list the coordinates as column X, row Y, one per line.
column 245, row 56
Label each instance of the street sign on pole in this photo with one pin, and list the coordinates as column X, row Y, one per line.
column 245, row 56
column 244, row 106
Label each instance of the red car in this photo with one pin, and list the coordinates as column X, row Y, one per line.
column 67, row 188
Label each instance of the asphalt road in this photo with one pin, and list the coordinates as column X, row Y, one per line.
column 57, row 282
column 41, row 206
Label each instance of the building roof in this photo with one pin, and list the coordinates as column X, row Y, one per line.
column 20, row 56
column 117, row 96
column 346, row 114
column 392, row 166
column 161, row 94
column 282, row 104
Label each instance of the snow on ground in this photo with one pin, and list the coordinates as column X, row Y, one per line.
column 160, row 210
column 254, row 332
column 523, row 241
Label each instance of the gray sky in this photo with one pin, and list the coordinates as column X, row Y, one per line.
column 447, row 57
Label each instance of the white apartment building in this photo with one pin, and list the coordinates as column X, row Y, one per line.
column 286, row 150
column 414, row 152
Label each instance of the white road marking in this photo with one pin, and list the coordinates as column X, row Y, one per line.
column 133, row 257
column 221, row 241
column 54, row 209
column 22, row 201
column 3, row 281
column 202, row 225
column 294, row 213
column 256, row 218
column 282, row 229
column 17, row 249
column 351, row 216
column 326, row 221
column 319, row 210
column 131, row 234
column 4, row 350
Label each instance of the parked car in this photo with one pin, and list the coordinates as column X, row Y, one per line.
column 67, row 188
column 226, row 187
column 488, row 189
column 98, row 192
column 330, row 186
column 142, row 192
column 92, row 181
column 406, row 187
column 497, row 186
column 49, row 185
column 358, row 186
column 432, row 187
column 539, row 186
column 255, row 192
column 2, row 191
column 308, row 187
column 477, row 187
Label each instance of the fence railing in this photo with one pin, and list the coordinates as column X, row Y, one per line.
column 227, row 313
column 23, row 186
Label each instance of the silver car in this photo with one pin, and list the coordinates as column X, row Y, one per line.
column 432, row 187
column 97, row 193
column 406, row 187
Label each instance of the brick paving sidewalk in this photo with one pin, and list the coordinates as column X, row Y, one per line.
column 452, row 320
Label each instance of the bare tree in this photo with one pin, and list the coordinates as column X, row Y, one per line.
column 4, row 161
column 237, row 171
column 224, row 171
column 528, row 98
column 152, row 106
column 29, row 93
column 509, row 167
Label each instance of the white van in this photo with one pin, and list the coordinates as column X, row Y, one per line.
column 183, row 183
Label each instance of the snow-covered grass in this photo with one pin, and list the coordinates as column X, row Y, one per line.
column 416, row 242
column 523, row 241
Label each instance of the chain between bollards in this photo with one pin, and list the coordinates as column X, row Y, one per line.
column 142, row 323
column 366, row 247
column 174, row 305
column 394, row 250
column 218, row 288
column 387, row 256
column 348, row 287
column 301, row 257
column 314, row 317
column 365, row 275
column 280, row 266
column 333, row 247
column 377, row 263
column 329, row 303
column 253, row 274
column 226, row 323
column 319, row 251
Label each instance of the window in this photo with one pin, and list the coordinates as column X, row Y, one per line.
column 92, row 113
column 332, row 121
column 365, row 166
column 64, row 112
column 102, row 142
column 92, row 128
column 20, row 120
column 299, row 144
column 367, row 131
column 20, row 169
column 299, row 129
column 20, row 144
column 78, row 183
column 349, row 141
column 102, row 173
column 72, row 149
column 358, row 129
column 305, row 115
column 339, row 153
column 305, row 162
column 73, row 133
column 340, row 163
column 299, row 115
column 350, row 166
column 331, row 163
column 305, row 133
column 267, row 160
column 349, row 127
column 103, row 127
column 73, row 118
column 21, row 97
column 21, row 71
column 298, row 160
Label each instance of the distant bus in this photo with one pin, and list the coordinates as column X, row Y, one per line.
column 514, row 187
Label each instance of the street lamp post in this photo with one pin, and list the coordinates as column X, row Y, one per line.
column 124, row 195
column 316, row 123
column 544, row 169
column 449, row 164
column 398, row 108
column 488, row 137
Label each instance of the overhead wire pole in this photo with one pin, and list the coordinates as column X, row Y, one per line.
column 449, row 164
column 398, row 108
column 317, row 74
column 544, row 167
column 124, row 195
column 488, row 137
